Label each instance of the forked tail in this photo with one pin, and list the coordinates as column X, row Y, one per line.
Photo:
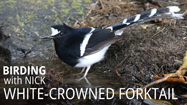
column 166, row 12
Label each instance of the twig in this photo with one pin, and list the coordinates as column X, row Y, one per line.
column 101, row 1
column 185, row 13
column 158, row 32
column 120, row 65
column 91, row 9
column 155, row 2
column 184, row 26
column 118, row 73
column 122, row 62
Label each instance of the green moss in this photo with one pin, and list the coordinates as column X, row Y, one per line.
column 38, row 2
column 86, row 1
column 30, row 15
column 45, row 6
column 65, row 10
column 16, row 29
column 11, row 1
column 76, row 4
column 49, row 1
column 19, row 20
column 81, row 11
column 57, row 19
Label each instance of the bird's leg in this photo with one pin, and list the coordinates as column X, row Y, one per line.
column 82, row 70
column 87, row 69
column 87, row 81
column 84, row 77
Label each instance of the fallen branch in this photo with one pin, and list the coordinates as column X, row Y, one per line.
column 172, row 79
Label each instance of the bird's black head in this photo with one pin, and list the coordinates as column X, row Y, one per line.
column 57, row 31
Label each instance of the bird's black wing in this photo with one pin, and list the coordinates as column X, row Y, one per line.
column 99, row 39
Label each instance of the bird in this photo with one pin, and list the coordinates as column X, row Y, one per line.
column 83, row 47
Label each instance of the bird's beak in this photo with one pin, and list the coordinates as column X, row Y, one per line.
column 48, row 37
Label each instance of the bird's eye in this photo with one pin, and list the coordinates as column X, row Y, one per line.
column 61, row 34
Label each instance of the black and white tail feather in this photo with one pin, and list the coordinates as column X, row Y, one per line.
column 166, row 12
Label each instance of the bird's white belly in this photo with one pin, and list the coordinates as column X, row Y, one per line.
column 93, row 58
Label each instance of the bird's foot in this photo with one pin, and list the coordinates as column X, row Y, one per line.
column 80, row 72
column 80, row 78
column 87, row 81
